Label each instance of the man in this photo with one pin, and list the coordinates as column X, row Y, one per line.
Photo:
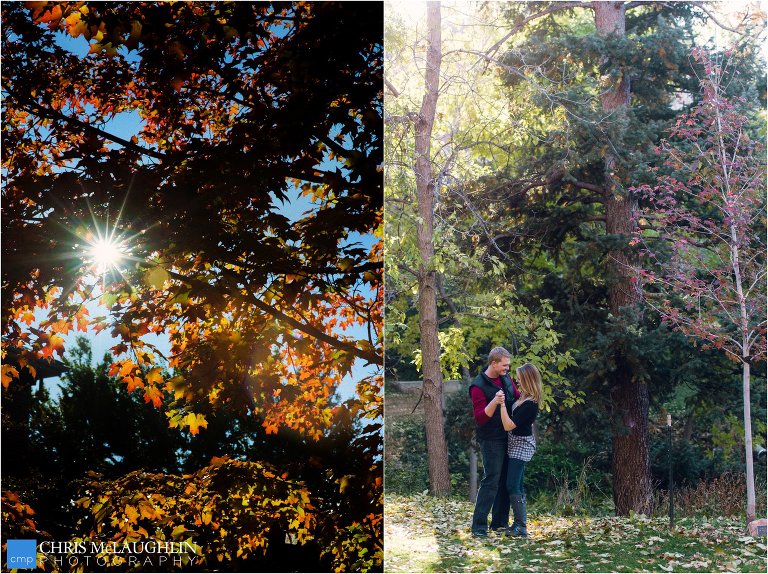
column 492, row 390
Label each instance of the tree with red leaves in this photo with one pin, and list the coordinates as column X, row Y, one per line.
column 704, row 233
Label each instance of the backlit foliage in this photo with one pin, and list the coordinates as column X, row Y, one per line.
column 247, row 197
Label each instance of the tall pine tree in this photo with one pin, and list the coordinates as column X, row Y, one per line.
column 602, row 80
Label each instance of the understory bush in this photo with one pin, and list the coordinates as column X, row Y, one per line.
column 691, row 463
column 405, row 456
column 574, row 476
column 725, row 495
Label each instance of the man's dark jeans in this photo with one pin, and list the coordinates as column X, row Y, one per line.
column 492, row 495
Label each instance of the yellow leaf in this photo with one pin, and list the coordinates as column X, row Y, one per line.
column 154, row 376
column 72, row 19
column 132, row 514
column 343, row 482
column 156, row 277
column 9, row 373
column 345, row 264
column 133, row 383
column 135, row 29
column 147, row 511
column 194, row 422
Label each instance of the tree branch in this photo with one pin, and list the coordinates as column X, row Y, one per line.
column 369, row 356
column 630, row 5
column 336, row 147
column 407, row 269
column 702, row 7
column 393, row 89
column 519, row 26
column 251, row 297
column 49, row 113
column 586, row 185
column 560, row 177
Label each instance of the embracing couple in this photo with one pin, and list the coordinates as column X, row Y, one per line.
column 504, row 410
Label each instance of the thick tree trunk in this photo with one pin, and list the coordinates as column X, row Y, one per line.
column 437, row 452
column 632, row 488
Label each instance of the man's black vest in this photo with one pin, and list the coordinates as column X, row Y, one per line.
column 493, row 429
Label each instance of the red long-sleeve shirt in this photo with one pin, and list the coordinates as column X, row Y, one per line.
column 479, row 402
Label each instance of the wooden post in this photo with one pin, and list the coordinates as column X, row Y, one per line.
column 671, row 481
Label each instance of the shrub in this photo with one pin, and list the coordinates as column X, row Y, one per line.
column 577, row 495
column 725, row 495
column 558, row 466
column 405, row 458
column 690, row 462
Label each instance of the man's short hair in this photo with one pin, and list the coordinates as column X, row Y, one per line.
column 497, row 354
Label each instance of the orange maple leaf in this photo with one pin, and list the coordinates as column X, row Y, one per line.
column 133, row 383
column 127, row 367
column 154, row 376
column 131, row 513
column 9, row 373
column 153, row 394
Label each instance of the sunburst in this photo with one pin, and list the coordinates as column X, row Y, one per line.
column 106, row 252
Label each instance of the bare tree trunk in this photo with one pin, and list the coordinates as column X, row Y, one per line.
column 745, row 374
column 437, row 452
column 748, row 445
column 474, row 451
column 632, row 488
column 745, row 344
column 473, row 482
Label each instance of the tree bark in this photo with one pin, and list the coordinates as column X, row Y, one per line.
column 745, row 358
column 473, row 482
column 632, row 488
column 745, row 344
column 748, row 444
column 437, row 452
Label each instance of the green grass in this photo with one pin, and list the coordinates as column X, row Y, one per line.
column 423, row 534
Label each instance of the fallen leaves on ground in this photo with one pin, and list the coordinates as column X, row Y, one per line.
column 425, row 534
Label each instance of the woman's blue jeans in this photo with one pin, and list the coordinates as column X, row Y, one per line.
column 492, row 495
column 515, row 471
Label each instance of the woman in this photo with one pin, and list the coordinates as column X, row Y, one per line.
column 520, row 442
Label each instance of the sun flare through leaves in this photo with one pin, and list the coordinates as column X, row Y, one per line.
column 106, row 254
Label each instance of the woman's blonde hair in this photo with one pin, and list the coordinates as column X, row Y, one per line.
column 529, row 381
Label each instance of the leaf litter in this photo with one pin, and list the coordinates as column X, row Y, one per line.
column 424, row 534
